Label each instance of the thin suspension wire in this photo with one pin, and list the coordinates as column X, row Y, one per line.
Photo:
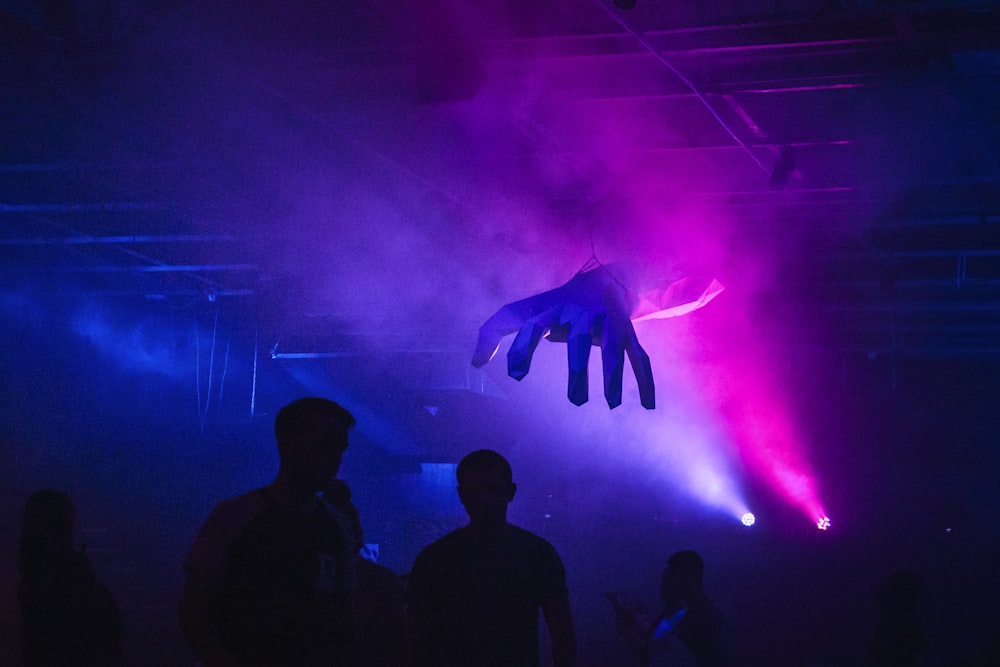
column 592, row 262
column 211, row 368
column 225, row 367
column 197, row 366
column 893, row 335
column 253, row 381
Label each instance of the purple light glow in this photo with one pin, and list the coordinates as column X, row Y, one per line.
column 737, row 387
column 141, row 347
column 430, row 263
column 678, row 447
column 766, row 440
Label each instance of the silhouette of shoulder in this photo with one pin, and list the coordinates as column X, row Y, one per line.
column 223, row 523
column 511, row 541
column 490, row 563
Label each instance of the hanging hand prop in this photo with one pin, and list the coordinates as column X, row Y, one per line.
column 595, row 307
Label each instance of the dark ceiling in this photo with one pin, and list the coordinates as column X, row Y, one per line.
column 375, row 178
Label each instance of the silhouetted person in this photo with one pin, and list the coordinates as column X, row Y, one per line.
column 271, row 574
column 898, row 639
column 474, row 594
column 69, row 619
column 380, row 599
column 688, row 614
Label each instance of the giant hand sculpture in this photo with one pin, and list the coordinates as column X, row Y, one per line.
column 595, row 307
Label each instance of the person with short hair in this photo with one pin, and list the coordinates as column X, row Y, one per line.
column 474, row 594
column 698, row 623
column 271, row 573
column 688, row 614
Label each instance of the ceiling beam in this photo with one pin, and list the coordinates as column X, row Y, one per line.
column 131, row 238
column 156, row 268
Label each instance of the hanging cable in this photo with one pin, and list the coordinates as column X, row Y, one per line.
column 253, row 381
column 225, row 367
column 211, row 368
column 592, row 262
column 197, row 367
column 892, row 334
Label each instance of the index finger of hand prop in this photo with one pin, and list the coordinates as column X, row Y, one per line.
column 505, row 321
column 522, row 349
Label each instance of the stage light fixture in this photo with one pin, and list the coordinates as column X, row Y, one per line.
column 748, row 519
column 823, row 523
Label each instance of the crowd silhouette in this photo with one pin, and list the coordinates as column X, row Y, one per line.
column 280, row 576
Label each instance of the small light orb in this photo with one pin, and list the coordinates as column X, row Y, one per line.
column 823, row 523
column 748, row 519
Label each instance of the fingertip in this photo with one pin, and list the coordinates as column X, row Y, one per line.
column 578, row 390
column 483, row 355
column 518, row 374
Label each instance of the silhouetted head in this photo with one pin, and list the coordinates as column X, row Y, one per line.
column 682, row 578
column 312, row 436
column 47, row 529
column 485, row 487
column 338, row 493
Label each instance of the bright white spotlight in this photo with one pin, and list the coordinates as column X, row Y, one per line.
column 748, row 519
column 823, row 523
